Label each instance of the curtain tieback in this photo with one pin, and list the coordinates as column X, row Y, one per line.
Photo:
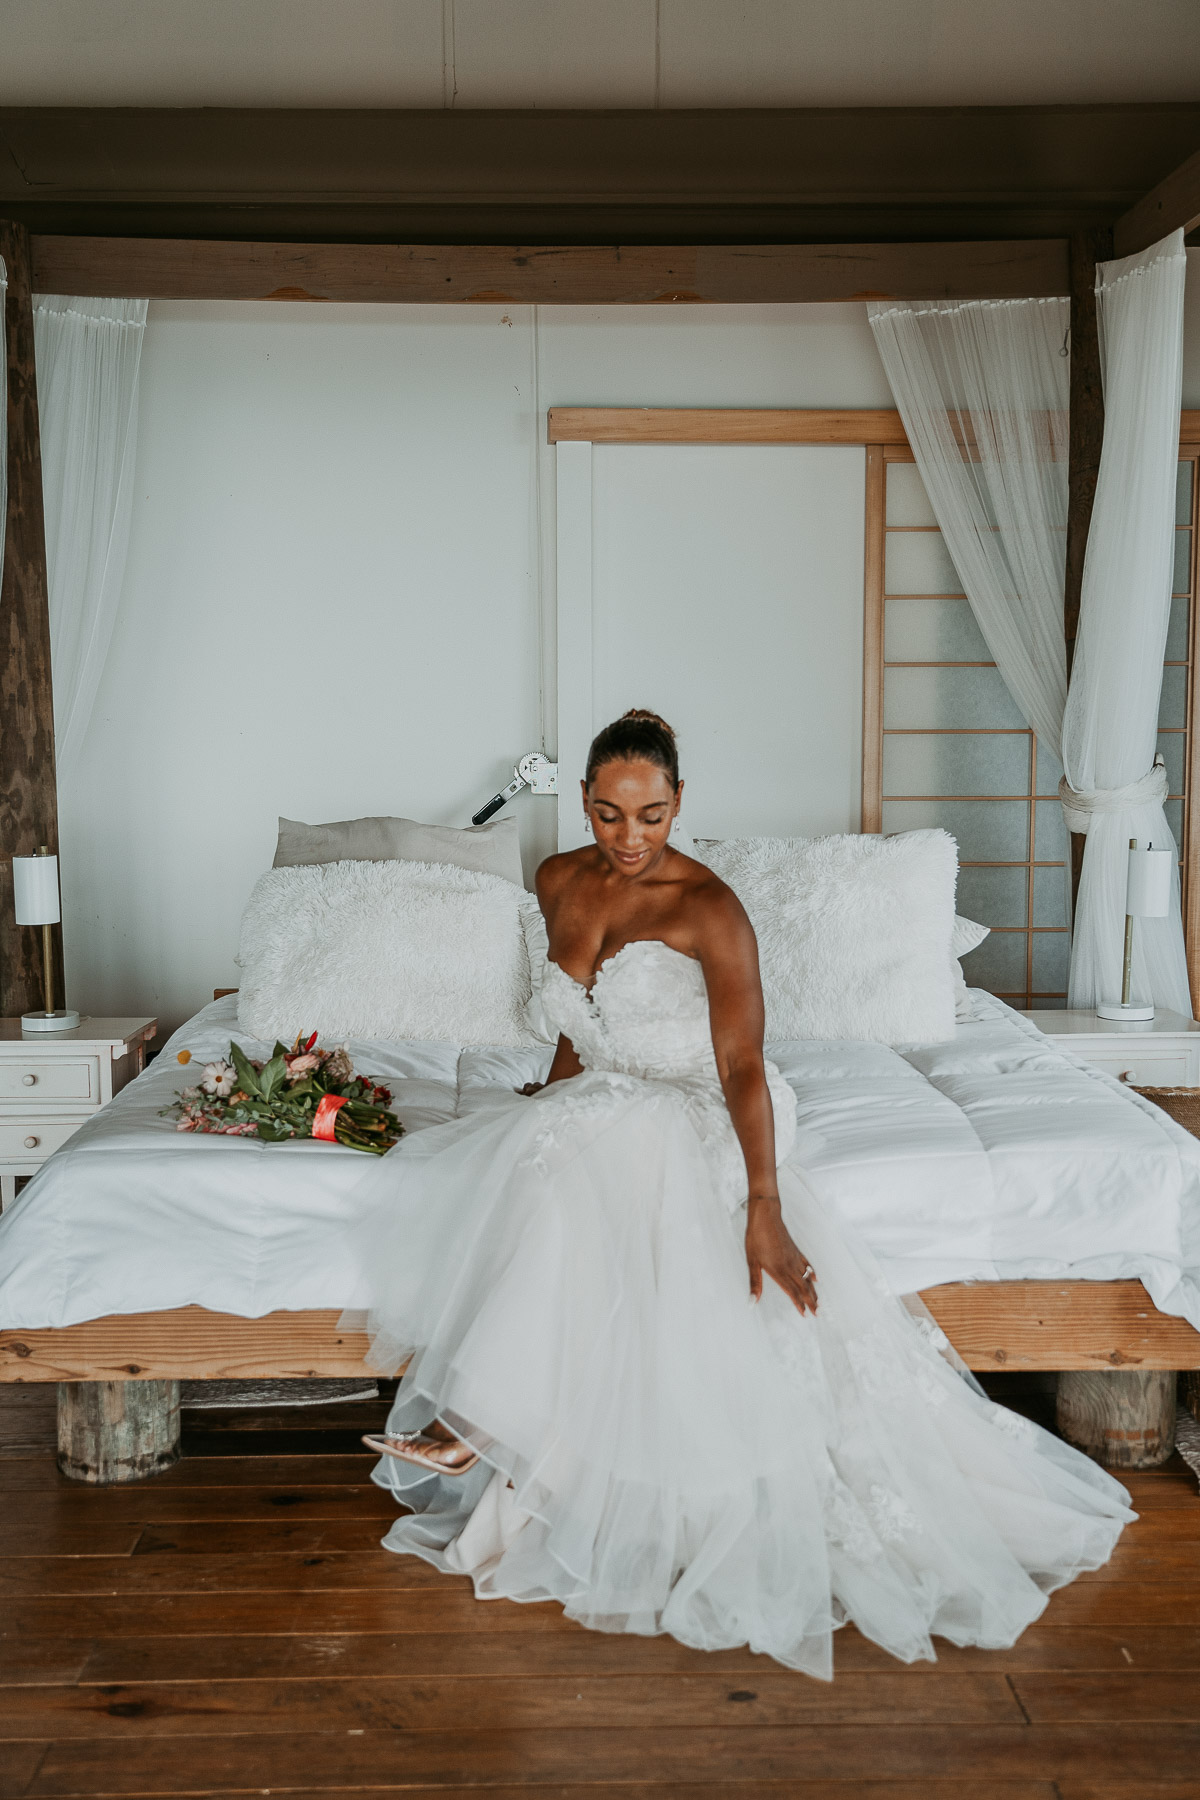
column 1080, row 805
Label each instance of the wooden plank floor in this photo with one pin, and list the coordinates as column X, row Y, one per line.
column 233, row 1627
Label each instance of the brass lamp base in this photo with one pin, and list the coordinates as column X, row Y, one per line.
column 50, row 1018
column 64, row 1020
column 1138, row 1012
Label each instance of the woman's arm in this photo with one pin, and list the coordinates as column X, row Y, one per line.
column 729, row 958
column 565, row 1064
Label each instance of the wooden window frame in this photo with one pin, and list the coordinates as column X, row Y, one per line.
column 881, row 433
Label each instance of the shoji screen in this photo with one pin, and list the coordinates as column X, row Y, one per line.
column 956, row 752
column 721, row 585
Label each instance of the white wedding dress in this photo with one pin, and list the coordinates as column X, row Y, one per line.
column 660, row 1454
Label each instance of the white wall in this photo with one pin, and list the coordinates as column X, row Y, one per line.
column 726, row 592
column 1191, row 332
column 340, row 591
column 340, row 594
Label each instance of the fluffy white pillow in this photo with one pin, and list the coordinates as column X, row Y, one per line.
column 967, row 935
column 385, row 950
column 853, row 932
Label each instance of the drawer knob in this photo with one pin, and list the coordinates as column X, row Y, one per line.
column 29, row 1080
column 31, row 1143
column 1126, row 1075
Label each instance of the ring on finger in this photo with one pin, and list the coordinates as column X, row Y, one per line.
column 808, row 1272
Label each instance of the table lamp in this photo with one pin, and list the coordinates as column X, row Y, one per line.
column 35, row 897
column 1147, row 896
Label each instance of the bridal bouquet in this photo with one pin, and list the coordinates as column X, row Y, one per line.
column 301, row 1092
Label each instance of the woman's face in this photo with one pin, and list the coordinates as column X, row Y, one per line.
column 631, row 806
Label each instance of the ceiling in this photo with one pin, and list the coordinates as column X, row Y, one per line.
column 597, row 53
column 591, row 121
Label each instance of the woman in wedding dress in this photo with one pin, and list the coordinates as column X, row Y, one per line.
column 650, row 1377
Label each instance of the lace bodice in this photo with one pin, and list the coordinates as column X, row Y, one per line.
column 647, row 1016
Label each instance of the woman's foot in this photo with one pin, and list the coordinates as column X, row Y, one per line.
column 435, row 1448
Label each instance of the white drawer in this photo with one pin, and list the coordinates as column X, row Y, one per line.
column 34, row 1140
column 1144, row 1068
column 56, row 1081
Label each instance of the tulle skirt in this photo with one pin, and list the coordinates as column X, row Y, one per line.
column 659, row 1453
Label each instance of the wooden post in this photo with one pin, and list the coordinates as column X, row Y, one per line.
column 28, row 795
column 1189, row 1391
column 117, row 1430
column 1122, row 1417
column 1085, row 250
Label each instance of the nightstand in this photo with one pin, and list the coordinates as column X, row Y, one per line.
column 1161, row 1052
column 51, row 1083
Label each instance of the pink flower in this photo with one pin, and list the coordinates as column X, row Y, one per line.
column 299, row 1066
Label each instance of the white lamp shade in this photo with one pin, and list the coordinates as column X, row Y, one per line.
column 1148, row 893
column 35, row 890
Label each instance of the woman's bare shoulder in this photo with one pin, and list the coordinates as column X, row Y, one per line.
column 711, row 903
column 557, row 872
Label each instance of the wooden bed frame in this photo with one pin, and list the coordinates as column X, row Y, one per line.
column 1114, row 1353
column 1000, row 1325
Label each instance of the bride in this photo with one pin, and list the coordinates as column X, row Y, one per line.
column 650, row 1377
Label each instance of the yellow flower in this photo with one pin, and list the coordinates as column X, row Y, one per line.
column 184, row 1056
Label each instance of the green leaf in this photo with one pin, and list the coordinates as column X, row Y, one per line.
column 246, row 1073
column 270, row 1079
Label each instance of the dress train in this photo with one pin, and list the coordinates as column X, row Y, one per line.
column 568, row 1276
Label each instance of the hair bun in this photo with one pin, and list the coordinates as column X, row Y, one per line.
column 639, row 735
column 644, row 717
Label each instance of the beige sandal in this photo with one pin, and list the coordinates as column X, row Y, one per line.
column 414, row 1447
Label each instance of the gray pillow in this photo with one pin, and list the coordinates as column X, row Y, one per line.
column 492, row 849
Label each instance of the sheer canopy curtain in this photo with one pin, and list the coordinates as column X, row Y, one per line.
column 88, row 354
column 1112, row 789
column 983, row 389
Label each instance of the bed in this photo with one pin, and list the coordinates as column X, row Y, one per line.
column 1049, row 1217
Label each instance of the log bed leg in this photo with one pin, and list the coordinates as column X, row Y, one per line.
column 1122, row 1417
column 117, row 1430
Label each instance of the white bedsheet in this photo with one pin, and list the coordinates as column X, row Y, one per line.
column 994, row 1156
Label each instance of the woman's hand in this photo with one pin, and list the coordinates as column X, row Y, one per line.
column 531, row 1087
column 770, row 1251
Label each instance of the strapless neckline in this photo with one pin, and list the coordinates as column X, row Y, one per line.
column 607, row 964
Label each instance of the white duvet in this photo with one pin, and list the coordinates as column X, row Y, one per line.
column 994, row 1156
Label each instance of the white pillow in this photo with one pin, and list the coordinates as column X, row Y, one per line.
column 385, row 950
column 967, row 935
column 493, row 849
column 853, row 932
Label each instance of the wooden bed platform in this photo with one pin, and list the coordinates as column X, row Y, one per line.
column 1057, row 1325
column 118, row 1378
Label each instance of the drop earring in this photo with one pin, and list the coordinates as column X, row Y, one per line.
column 676, row 827
column 587, row 824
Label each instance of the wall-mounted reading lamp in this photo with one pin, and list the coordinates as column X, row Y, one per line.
column 534, row 771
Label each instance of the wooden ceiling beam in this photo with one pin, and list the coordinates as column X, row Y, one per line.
column 1174, row 203
column 578, row 275
column 817, row 175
